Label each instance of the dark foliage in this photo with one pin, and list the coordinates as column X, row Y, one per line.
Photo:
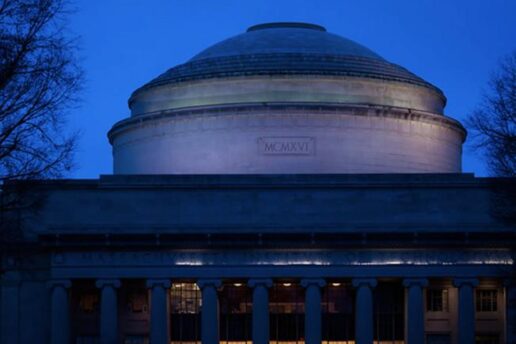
column 493, row 123
column 39, row 82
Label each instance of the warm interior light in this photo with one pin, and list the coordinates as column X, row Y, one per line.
column 287, row 284
column 237, row 284
column 335, row 284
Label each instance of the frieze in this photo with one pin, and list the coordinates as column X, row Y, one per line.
column 293, row 258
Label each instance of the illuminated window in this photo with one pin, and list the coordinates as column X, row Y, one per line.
column 185, row 310
column 437, row 300
column 85, row 316
column 89, row 302
column 486, row 300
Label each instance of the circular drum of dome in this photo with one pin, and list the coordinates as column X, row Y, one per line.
column 287, row 98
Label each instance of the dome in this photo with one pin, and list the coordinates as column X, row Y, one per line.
column 286, row 49
column 287, row 98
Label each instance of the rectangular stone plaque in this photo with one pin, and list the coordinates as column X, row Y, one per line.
column 286, row 145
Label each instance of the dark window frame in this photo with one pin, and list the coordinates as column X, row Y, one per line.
column 436, row 302
column 486, row 300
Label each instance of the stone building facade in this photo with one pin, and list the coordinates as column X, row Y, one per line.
column 286, row 185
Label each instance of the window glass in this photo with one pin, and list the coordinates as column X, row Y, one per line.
column 486, row 300
column 185, row 306
column 437, row 300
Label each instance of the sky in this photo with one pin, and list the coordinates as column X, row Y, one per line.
column 456, row 45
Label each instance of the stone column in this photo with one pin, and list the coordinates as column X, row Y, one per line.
column 510, row 303
column 364, row 310
column 9, row 308
column 59, row 312
column 260, row 310
column 466, row 309
column 159, row 320
column 415, row 324
column 313, row 328
column 108, row 311
column 209, row 311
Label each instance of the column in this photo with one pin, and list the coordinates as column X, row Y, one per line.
column 313, row 328
column 415, row 324
column 159, row 320
column 9, row 324
column 108, row 311
column 510, row 304
column 364, row 310
column 209, row 311
column 466, row 309
column 59, row 312
column 260, row 309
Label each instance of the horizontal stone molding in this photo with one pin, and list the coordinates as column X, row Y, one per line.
column 304, row 111
column 359, row 258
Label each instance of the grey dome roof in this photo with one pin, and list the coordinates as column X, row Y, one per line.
column 287, row 49
column 286, row 38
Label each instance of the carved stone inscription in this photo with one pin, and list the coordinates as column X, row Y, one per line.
column 286, row 145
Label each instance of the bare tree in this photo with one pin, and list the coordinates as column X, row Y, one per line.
column 493, row 123
column 39, row 83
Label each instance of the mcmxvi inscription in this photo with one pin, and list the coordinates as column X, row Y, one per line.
column 286, row 145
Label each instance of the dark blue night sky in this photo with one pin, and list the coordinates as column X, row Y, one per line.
column 124, row 43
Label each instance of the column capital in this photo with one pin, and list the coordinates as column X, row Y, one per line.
column 59, row 283
column 215, row 283
column 101, row 283
column 165, row 283
column 254, row 282
column 369, row 282
column 418, row 282
column 459, row 282
column 313, row 281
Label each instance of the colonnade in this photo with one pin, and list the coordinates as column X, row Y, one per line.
column 159, row 329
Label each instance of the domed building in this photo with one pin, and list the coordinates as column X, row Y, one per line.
column 286, row 185
column 287, row 98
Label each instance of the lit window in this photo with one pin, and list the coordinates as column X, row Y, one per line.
column 487, row 300
column 185, row 313
column 437, row 300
